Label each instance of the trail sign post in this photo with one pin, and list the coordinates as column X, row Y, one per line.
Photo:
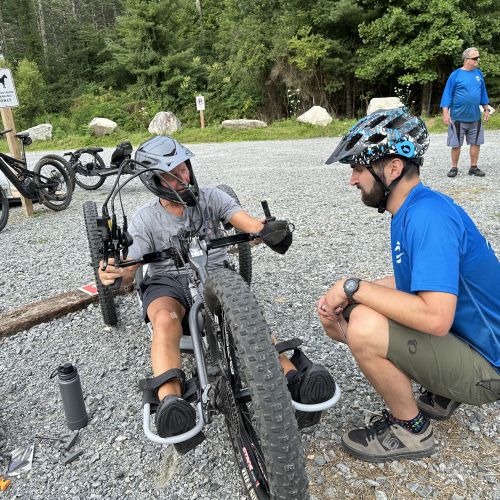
column 200, row 106
column 8, row 99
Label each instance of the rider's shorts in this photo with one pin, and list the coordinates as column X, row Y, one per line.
column 446, row 366
column 472, row 131
column 175, row 286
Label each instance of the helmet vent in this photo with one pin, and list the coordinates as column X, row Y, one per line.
column 354, row 139
column 397, row 122
column 377, row 120
column 376, row 138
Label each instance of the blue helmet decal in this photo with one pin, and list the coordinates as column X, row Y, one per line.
column 406, row 148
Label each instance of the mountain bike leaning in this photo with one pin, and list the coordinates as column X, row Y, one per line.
column 237, row 373
column 91, row 171
column 50, row 181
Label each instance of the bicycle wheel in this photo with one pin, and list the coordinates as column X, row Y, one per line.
column 66, row 164
column 252, row 394
column 241, row 253
column 4, row 209
column 106, row 299
column 54, row 187
column 86, row 163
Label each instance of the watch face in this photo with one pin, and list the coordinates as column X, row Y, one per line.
column 351, row 286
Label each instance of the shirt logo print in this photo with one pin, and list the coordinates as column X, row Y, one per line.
column 478, row 78
column 399, row 254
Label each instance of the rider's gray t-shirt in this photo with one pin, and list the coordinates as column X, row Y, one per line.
column 152, row 226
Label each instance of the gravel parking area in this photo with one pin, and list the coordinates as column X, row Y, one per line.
column 336, row 236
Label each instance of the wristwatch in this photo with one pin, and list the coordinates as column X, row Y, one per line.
column 351, row 286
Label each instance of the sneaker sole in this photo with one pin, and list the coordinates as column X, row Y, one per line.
column 318, row 386
column 387, row 458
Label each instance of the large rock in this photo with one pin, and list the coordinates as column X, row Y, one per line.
column 102, row 126
column 243, row 124
column 316, row 116
column 383, row 103
column 164, row 123
column 41, row 132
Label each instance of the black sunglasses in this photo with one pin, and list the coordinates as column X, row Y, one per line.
column 474, row 58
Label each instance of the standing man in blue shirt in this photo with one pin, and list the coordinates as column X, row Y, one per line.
column 437, row 320
column 464, row 92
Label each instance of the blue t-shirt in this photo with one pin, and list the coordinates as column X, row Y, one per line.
column 463, row 93
column 436, row 247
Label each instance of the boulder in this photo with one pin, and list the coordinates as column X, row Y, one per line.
column 164, row 123
column 102, row 126
column 243, row 124
column 383, row 103
column 316, row 116
column 41, row 132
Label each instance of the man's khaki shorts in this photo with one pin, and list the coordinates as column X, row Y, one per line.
column 446, row 366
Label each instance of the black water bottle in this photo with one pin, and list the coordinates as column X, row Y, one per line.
column 72, row 396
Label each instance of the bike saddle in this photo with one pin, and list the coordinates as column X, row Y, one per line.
column 22, row 134
column 89, row 150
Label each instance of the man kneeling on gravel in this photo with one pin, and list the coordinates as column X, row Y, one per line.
column 181, row 204
column 437, row 320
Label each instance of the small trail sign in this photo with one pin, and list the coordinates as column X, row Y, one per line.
column 8, row 96
column 200, row 103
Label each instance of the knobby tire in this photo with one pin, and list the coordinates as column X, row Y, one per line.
column 4, row 209
column 86, row 181
column 45, row 195
column 262, row 426
column 244, row 249
column 106, row 298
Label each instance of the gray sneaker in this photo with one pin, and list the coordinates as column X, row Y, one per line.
column 385, row 440
column 436, row 407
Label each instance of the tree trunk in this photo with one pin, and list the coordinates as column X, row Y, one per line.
column 73, row 9
column 426, row 98
column 3, row 45
column 199, row 9
column 41, row 26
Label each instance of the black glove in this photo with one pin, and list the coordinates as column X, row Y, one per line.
column 277, row 235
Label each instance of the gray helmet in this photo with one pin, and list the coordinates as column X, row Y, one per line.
column 382, row 133
column 164, row 154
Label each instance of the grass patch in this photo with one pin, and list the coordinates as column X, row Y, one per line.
column 278, row 130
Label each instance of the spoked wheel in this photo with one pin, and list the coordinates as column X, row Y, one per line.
column 240, row 256
column 4, row 208
column 85, row 164
column 252, row 393
column 54, row 184
column 106, row 299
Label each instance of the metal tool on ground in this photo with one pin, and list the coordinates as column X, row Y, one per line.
column 70, row 456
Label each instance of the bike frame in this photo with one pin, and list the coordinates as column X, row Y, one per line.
column 13, row 169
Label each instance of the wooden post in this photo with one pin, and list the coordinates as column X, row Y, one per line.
column 15, row 151
column 202, row 119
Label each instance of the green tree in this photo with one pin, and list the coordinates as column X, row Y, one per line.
column 31, row 92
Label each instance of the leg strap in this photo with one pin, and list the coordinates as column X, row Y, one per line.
column 288, row 345
column 150, row 386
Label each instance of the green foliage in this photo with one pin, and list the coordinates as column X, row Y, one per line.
column 31, row 92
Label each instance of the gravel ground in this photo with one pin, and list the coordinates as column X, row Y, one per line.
column 335, row 236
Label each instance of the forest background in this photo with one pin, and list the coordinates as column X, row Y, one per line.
column 125, row 60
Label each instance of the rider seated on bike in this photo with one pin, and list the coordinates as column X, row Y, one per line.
column 166, row 301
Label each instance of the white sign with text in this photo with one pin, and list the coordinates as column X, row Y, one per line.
column 200, row 103
column 8, row 96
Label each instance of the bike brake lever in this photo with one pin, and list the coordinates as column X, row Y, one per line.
column 267, row 212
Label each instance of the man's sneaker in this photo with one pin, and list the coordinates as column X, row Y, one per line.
column 452, row 172
column 385, row 440
column 477, row 172
column 436, row 407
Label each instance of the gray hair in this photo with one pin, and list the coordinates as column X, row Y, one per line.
column 467, row 52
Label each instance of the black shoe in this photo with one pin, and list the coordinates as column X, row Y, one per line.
column 311, row 384
column 477, row 172
column 436, row 407
column 176, row 416
column 453, row 172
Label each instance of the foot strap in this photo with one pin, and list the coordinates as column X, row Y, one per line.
column 288, row 345
column 150, row 386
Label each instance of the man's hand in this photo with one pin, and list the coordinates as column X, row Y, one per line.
column 446, row 118
column 486, row 114
column 333, row 303
column 277, row 235
column 110, row 274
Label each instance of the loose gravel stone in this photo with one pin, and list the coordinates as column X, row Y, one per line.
column 335, row 236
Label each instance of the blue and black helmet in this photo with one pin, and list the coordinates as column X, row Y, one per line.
column 382, row 133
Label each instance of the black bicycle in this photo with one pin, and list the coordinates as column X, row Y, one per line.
column 91, row 171
column 50, row 181
column 237, row 370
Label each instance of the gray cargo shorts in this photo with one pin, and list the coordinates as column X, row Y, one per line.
column 472, row 131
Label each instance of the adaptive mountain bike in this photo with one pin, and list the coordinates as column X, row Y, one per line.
column 237, row 372
column 91, row 171
column 50, row 181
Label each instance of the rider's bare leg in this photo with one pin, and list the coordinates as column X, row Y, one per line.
column 165, row 314
column 368, row 340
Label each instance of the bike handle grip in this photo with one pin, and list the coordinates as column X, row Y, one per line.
column 117, row 284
